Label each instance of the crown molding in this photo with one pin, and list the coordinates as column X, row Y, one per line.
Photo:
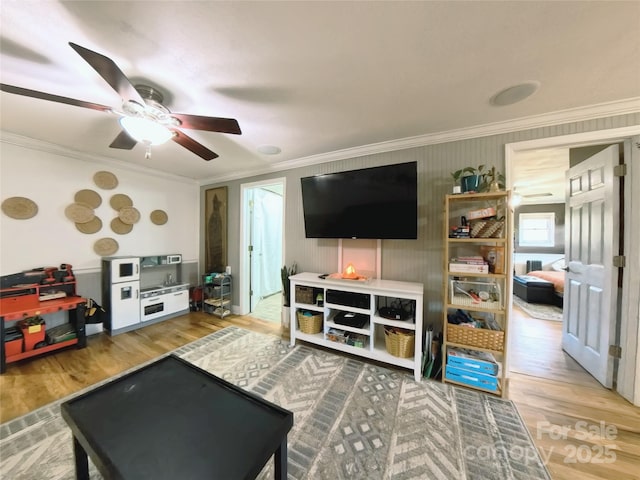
column 53, row 149
column 592, row 112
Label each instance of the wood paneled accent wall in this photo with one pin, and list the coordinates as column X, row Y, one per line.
column 410, row 260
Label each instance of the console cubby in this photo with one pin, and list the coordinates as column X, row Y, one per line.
column 362, row 299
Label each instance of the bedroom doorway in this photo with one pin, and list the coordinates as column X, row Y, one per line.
column 552, row 361
column 262, row 249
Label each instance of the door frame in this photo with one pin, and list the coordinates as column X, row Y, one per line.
column 243, row 284
column 628, row 378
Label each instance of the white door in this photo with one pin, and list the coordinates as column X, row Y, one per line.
column 592, row 239
column 265, row 214
column 266, row 233
column 125, row 304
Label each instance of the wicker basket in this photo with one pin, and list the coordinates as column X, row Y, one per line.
column 399, row 342
column 304, row 295
column 476, row 337
column 487, row 229
column 309, row 323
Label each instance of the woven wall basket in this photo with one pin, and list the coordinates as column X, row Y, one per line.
column 129, row 215
column 105, row 180
column 105, row 247
column 20, row 208
column 88, row 197
column 120, row 200
column 79, row 212
column 159, row 217
column 92, row 226
column 119, row 227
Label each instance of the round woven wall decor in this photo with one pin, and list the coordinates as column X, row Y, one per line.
column 105, row 180
column 92, row 226
column 159, row 217
column 129, row 215
column 79, row 212
column 105, row 246
column 119, row 227
column 20, row 208
column 90, row 197
column 120, row 200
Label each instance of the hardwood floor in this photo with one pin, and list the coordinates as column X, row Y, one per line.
column 584, row 430
column 551, row 407
column 32, row 383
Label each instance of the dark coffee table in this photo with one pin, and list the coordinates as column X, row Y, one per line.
column 173, row 420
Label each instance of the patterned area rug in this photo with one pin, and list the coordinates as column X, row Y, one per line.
column 352, row 420
column 539, row 310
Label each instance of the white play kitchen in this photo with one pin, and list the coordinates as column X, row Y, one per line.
column 138, row 291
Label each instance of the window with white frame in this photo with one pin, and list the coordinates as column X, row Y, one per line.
column 536, row 229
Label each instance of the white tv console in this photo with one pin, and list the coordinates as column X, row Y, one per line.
column 378, row 291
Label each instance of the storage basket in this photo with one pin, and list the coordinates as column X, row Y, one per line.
column 399, row 342
column 309, row 323
column 487, row 228
column 476, row 337
column 304, row 295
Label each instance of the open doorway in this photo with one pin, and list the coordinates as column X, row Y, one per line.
column 262, row 249
column 538, row 183
column 536, row 344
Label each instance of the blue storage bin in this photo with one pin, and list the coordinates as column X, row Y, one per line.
column 473, row 360
column 471, row 378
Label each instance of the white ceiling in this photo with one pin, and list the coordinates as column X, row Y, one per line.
column 309, row 77
column 539, row 175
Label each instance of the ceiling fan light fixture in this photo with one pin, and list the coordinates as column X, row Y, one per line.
column 146, row 131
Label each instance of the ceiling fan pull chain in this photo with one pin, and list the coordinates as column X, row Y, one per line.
column 147, row 154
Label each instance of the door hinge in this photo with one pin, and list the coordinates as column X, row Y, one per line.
column 251, row 248
column 620, row 170
column 615, row 351
column 619, row 261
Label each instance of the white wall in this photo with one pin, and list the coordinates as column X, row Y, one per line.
column 49, row 239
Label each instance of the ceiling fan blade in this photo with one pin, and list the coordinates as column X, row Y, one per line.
column 52, row 98
column 110, row 72
column 123, row 141
column 209, row 124
column 190, row 144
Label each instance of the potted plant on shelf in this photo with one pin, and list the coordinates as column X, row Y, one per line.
column 478, row 179
column 469, row 178
column 492, row 181
column 285, row 273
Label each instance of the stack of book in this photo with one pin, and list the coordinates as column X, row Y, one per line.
column 470, row 264
column 462, row 231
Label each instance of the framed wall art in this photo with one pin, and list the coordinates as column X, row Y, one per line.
column 215, row 212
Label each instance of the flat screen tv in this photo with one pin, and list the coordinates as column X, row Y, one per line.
column 378, row 202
